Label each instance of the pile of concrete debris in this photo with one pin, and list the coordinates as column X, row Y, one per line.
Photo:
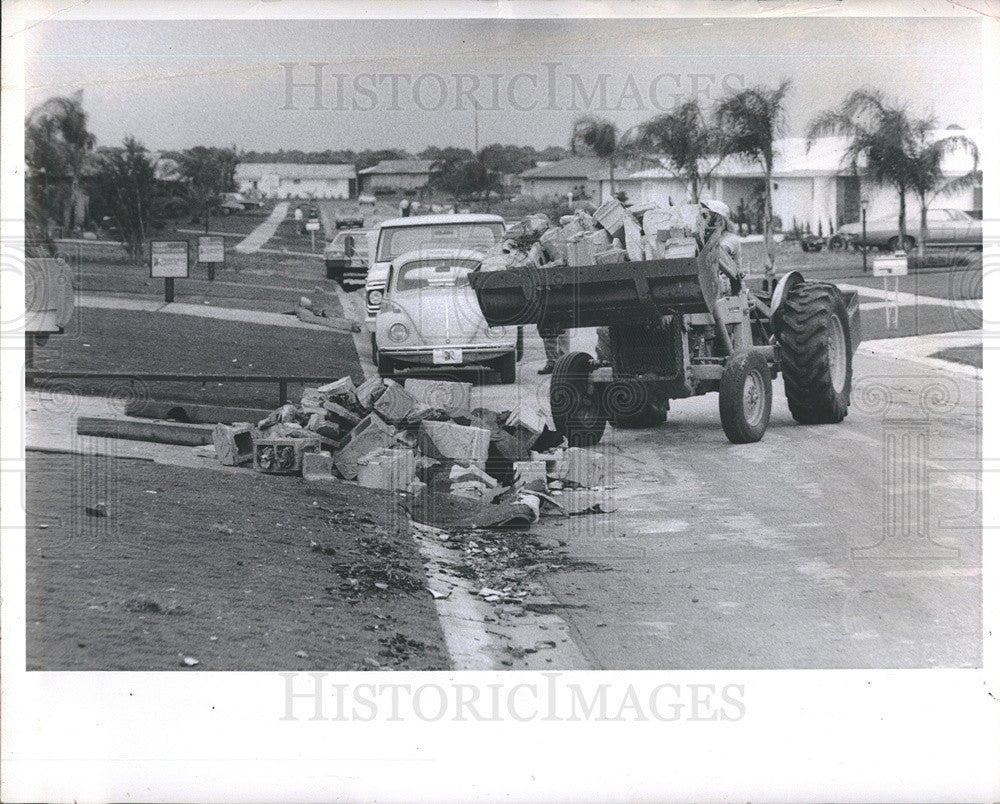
column 423, row 438
column 612, row 234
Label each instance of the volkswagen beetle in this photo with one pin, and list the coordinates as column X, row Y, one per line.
column 429, row 318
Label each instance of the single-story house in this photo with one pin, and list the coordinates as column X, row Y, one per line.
column 586, row 177
column 812, row 186
column 286, row 180
column 395, row 175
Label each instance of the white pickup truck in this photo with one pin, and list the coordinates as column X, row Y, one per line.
column 397, row 236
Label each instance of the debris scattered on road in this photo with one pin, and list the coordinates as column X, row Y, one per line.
column 509, row 468
column 189, row 661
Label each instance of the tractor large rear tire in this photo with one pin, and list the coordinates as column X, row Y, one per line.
column 576, row 408
column 816, row 353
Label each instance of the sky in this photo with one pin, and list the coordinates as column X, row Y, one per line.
column 410, row 84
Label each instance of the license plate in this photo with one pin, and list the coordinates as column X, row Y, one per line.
column 447, row 356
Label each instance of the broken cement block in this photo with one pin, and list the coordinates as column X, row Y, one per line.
column 586, row 501
column 341, row 415
column 286, row 414
column 527, row 417
column 583, row 467
column 407, row 438
column 233, row 444
column 611, row 216
column 368, row 391
column 551, row 459
column 370, row 434
column 530, row 474
column 454, row 441
column 512, row 447
column 342, row 387
column 387, row 469
column 394, row 404
column 441, row 393
column 317, row 466
column 282, row 456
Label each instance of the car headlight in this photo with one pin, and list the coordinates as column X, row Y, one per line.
column 496, row 333
column 375, row 298
column 398, row 333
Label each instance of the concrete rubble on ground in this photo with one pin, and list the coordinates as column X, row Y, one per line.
column 613, row 233
column 421, row 438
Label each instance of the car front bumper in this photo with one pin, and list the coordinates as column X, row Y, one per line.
column 472, row 353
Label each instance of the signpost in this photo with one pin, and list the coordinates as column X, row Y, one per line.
column 891, row 268
column 864, row 234
column 212, row 252
column 312, row 226
column 168, row 260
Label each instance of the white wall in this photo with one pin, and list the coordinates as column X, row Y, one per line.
column 272, row 186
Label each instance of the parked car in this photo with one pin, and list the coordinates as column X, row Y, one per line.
column 350, row 219
column 398, row 236
column 429, row 318
column 348, row 250
column 245, row 202
column 227, row 205
column 945, row 227
column 812, row 242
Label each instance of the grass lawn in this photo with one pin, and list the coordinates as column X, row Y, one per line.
column 128, row 341
column 966, row 355
column 218, row 567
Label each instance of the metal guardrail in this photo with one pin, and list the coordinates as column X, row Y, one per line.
column 33, row 376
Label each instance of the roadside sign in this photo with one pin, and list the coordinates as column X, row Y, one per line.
column 891, row 268
column 168, row 259
column 211, row 248
column 312, row 226
column 895, row 265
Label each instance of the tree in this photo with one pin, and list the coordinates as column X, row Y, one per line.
column 750, row 121
column 125, row 191
column 56, row 145
column 691, row 144
column 883, row 140
column 470, row 178
column 209, row 172
column 927, row 175
column 600, row 137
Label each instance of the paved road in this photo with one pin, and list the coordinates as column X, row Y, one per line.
column 855, row 545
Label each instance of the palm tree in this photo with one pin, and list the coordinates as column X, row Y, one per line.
column 883, row 136
column 601, row 138
column 750, row 121
column 691, row 145
column 57, row 143
column 927, row 176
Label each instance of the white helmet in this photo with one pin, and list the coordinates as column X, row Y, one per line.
column 719, row 208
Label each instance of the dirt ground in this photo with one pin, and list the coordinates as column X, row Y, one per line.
column 263, row 573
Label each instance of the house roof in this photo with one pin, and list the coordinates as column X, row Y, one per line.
column 795, row 157
column 586, row 168
column 396, row 166
column 288, row 170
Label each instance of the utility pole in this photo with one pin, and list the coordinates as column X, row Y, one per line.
column 475, row 117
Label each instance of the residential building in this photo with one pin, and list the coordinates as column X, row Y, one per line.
column 396, row 175
column 287, row 180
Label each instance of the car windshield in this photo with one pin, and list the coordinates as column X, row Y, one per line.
column 439, row 273
column 396, row 241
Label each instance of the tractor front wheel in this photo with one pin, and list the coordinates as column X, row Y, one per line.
column 576, row 406
column 816, row 353
column 745, row 397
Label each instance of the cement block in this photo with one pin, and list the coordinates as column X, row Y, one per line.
column 317, row 466
column 445, row 440
column 233, row 444
column 282, row 456
column 340, row 414
column 387, row 469
column 530, row 418
column 395, row 403
column 584, row 467
column 530, row 473
column 341, row 387
column 370, row 434
column 368, row 391
column 441, row 393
